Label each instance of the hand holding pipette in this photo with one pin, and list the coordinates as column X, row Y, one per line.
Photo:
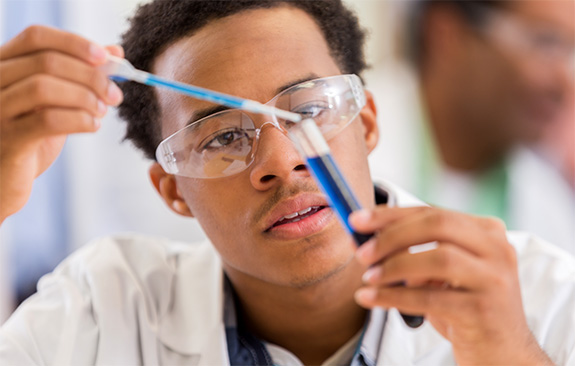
column 121, row 69
column 50, row 89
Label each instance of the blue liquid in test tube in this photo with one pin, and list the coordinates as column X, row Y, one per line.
column 313, row 147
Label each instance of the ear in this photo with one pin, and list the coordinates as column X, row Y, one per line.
column 368, row 116
column 166, row 186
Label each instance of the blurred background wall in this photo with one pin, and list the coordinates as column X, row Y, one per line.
column 99, row 185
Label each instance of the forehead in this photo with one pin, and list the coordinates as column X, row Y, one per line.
column 557, row 13
column 250, row 54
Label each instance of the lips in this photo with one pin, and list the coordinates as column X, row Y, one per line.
column 299, row 216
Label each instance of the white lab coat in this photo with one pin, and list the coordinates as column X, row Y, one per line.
column 138, row 300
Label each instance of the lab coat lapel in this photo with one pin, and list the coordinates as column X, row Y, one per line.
column 403, row 346
column 194, row 324
column 395, row 348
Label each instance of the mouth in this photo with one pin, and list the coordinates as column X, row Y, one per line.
column 297, row 216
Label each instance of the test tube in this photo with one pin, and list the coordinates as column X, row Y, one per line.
column 314, row 149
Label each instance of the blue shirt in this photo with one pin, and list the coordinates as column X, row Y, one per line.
column 246, row 349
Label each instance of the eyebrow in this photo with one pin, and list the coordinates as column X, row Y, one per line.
column 296, row 82
column 202, row 113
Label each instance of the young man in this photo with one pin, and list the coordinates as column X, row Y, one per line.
column 293, row 290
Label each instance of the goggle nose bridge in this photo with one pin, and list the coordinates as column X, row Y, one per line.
column 259, row 130
column 275, row 124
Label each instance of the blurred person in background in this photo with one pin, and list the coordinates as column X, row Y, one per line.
column 492, row 78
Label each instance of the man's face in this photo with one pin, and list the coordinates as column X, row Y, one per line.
column 518, row 73
column 254, row 54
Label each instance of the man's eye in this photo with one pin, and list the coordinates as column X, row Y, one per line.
column 223, row 139
column 546, row 41
column 311, row 110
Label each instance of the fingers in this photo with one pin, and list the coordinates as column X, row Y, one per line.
column 37, row 38
column 447, row 264
column 50, row 87
column 115, row 50
column 41, row 91
column 449, row 305
column 402, row 228
column 61, row 66
column 49, row 122
column 369, row 221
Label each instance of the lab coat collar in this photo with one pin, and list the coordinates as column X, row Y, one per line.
column 404, row 346
column 193, row 324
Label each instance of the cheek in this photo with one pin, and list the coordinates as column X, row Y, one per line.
column 535, row 76
column 217, row 208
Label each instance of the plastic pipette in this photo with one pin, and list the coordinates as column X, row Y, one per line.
column 314, row 149
column 121, row 69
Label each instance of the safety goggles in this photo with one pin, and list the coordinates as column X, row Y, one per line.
column 225, row 143
column 542, row 42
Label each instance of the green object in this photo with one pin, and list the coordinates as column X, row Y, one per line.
column 490, row 196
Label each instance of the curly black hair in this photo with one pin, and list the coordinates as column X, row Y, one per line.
column 160, row 23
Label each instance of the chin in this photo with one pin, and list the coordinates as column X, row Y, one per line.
column 317, row 273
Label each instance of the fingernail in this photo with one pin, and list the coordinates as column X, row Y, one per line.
column 97, row 124
column 366, row 295
column 114, row 93
column 371, row 274
column 97, row 53
column 366, row 251
column 102, row 109
column 360, row 216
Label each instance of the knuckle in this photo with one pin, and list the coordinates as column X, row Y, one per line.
column 493, row 224
column 509, row 254
column 444, row 258
column 34, row 35
column 505, row 283
column 439, row 220
column 48, row 119
column 48, row 62
column 483, row 306
column 40, row 88
column 495, row 228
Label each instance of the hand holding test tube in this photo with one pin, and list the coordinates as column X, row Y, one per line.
column 315, row 150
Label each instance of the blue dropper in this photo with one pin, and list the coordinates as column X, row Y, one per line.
column 121, row 70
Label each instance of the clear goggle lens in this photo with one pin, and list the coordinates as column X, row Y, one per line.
column 225, row 143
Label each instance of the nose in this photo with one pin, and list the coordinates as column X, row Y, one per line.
column 276, row 159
